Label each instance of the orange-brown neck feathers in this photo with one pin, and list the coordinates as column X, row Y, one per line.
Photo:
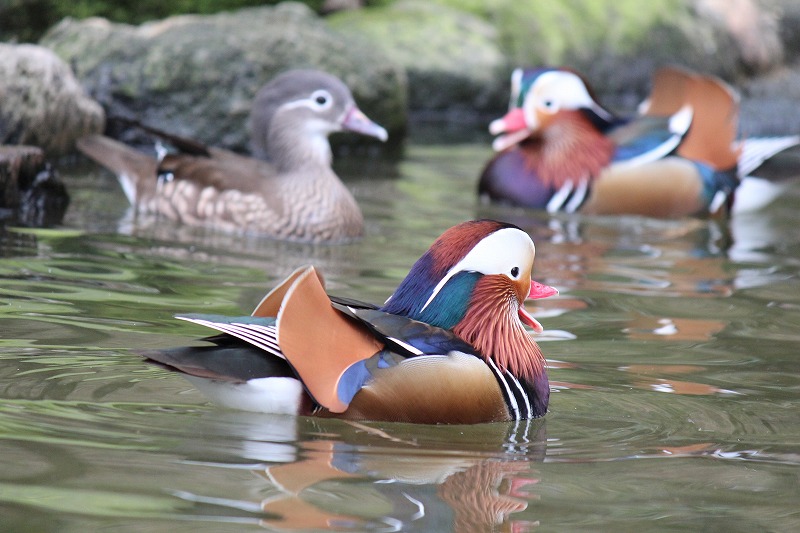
column 569, row 147
column 492, row 325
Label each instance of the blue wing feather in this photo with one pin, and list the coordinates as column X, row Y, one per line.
column 646, row 138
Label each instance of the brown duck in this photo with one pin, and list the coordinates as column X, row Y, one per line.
column 288, row 191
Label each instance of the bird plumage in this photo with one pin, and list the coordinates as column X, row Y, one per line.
column 560, row 150
column 470, row 361
column 288, row 191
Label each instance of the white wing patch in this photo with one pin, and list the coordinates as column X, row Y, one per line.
column 757, row 150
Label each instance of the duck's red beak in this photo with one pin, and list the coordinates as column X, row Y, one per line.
column 538, row 290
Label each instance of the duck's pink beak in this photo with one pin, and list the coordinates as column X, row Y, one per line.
column 355, row 120
column 513, row 125
column 538, row 290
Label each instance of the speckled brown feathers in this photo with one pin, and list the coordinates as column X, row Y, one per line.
column 293, row 206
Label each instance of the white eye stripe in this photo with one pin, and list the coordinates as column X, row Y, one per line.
column 318, row 101
column 497, row 253
column 556, row 90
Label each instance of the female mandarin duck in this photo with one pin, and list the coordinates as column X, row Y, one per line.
column 560, row 150
column 448, row 346
column 290, row 192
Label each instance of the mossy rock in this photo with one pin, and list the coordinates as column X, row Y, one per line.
column 452, row 58
column 41, row 102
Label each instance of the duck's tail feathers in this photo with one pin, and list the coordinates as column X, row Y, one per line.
column 756, row 151
column 133, row 168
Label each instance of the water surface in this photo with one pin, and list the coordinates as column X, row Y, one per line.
column 672, row 354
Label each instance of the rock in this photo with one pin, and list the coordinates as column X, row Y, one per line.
column 30, row 191
column 41, row 102
column 754, row 28
column 788, row 14
column 770, row 104
column 196, row 76
column 452, row 58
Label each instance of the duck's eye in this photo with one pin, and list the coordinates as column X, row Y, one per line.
column 322, row 99
column 515, row 272
column 548, row 104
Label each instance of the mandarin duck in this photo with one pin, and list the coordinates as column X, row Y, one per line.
column 289, row 191
column 560, row 150
column 448, row 346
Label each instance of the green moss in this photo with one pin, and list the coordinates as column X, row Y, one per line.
column 451, row 56
column 538, row 32
column 27, row 20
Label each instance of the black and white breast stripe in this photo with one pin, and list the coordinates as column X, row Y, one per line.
column 515, row 394
column 570, row 197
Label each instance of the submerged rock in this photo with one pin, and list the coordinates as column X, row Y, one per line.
column 41, row 102
column 196, row 76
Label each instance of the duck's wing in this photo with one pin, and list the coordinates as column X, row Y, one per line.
column 649, row 138
column 182, row 144
column 188, row 160
column 715, row 114
column 405, row 336
column 226, row 358
column 223, row 170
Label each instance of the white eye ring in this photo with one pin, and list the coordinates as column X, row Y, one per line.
column 321, row 99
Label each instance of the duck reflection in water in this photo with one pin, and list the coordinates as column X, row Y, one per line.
column 358, row 476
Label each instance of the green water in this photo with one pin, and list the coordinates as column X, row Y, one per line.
column 672, row 353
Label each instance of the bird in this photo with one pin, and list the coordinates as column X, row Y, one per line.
column 560, row 150
column 447, row 347
column 287, row 191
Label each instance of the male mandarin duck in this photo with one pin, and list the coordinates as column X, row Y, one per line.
column 288, row 192
column 559, row 149
column 448, row 346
